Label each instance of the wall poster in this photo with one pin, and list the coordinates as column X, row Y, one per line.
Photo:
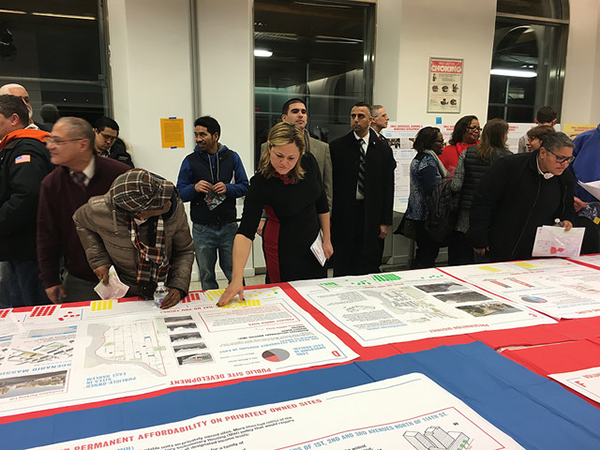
column 444, row 91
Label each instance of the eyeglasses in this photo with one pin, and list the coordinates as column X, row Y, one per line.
column 108, row 137
column 562, row 159
column 56, row 141
column 473, row 129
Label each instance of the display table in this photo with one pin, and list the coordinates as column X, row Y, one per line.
column 308, row 349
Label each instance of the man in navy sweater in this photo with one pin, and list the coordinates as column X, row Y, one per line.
column 211, row 179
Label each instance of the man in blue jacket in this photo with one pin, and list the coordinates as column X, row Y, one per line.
column 586, row 169
column 211, row 179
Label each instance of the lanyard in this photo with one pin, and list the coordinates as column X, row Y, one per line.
column 212, row 175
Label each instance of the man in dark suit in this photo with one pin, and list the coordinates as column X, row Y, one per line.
column 379, row 120
column 363, row 196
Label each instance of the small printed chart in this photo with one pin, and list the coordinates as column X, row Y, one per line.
column 276, row 355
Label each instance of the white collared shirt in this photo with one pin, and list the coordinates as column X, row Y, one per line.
column 89, row 171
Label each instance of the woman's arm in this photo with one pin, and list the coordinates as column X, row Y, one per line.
column 326, row 229
column 241, row 250
column 428, row 177
column 459, row 174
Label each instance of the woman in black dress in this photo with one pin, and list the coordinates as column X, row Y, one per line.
column 288, row 187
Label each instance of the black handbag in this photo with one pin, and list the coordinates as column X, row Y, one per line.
column 407, row 228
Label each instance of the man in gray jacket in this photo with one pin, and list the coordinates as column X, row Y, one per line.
column 141, row 228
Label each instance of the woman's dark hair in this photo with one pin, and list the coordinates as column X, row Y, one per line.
column 461, row 128
column 425, row 138
column 492, row 138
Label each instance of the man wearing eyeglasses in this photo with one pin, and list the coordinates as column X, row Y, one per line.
column 80, row 175
column 520, row 193
column 24, row 162
column 107, row 142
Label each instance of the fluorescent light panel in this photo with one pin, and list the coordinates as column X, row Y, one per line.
column 11, row 11
column 63, row 16
column 262, row 53
column 514, row 73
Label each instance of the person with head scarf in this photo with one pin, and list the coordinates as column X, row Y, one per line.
column 141, row 228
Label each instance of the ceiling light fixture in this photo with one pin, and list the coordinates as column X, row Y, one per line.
column 63, row 16
column 514, row 73
column 11, row 11
column 262, row 53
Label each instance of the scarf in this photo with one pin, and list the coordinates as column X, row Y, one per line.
column 153, row 265
column 441, row 168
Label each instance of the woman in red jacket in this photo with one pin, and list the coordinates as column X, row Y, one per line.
column 466, row 133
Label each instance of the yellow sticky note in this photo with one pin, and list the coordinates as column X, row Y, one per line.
column 490, row 268
column 101, row 305
column 526, row 265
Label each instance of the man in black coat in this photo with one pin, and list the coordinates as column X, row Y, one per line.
column 24, row 162
column 363, row 196
column 520, row 193
column 107, row 142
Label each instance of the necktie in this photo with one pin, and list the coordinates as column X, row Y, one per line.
column 79, row 179
column 361, row 167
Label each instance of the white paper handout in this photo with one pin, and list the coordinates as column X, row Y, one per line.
column 405, row 306
column 586, row 381
column 70, row 355
column 553, row 286
column 412, row 413
column 555, row 241
column 317, row 249
column 593, row 187
column 115, row 287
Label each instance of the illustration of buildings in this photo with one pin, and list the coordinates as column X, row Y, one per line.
column 436, row 438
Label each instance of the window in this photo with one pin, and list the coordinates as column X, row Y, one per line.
column 529, row 58
column 56, row 50
column 319, row 51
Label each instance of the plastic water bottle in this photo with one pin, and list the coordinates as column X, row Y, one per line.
column 160, row 293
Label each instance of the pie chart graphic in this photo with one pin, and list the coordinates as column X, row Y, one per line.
column 276, row 355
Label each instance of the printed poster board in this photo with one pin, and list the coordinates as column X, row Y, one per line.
column 444, row 92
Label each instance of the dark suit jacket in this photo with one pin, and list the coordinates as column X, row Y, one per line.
column 379, row 190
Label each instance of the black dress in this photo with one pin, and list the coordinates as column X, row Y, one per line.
column 292, row 222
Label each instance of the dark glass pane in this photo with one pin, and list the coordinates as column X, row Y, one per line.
column 80, row 100
column 520, row 115
column 495, row 112
column 318, row 54
column 54, row 50
column 553, row 9
column 63, row 45
column 497, row 89
column 515, row 47
column 527, row 67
